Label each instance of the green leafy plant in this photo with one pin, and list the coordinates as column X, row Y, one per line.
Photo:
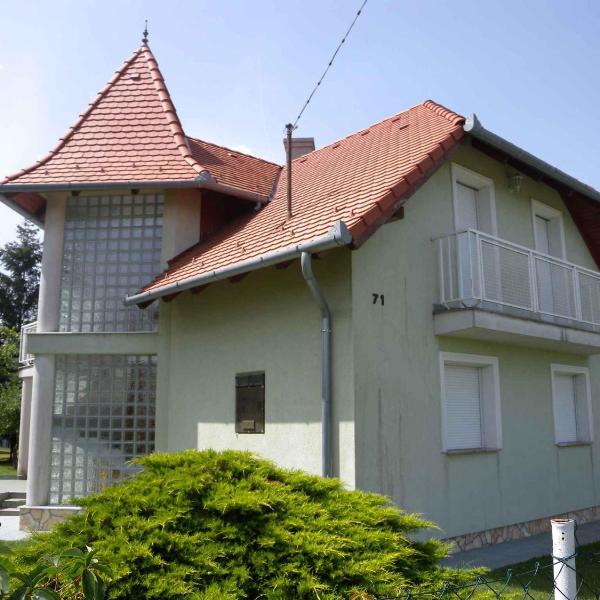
column 10, row 389
column 212, row 525
column 70, row 575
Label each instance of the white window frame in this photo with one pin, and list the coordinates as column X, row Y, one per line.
column 491, row 428
column 549, row 213
column 584, row 419
column 477, row 181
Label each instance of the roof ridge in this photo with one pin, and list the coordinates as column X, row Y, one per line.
column 451, row 116
column 82, row 117
column 173, row 121
column 441, row 110
column 191, row 137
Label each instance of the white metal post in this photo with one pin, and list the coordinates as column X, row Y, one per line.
column 577, row 295
column 440, row 249
column 563, row 557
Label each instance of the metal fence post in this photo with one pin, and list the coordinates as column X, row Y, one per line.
column 563, row 558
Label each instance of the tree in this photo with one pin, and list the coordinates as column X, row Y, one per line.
column 10, row 390
column 20, row 277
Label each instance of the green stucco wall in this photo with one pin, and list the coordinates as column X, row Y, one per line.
column 397, row 378
column 266, row 322
column 386, row 372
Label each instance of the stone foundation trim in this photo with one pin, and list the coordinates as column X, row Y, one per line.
column 44, row 518
column 507, row 533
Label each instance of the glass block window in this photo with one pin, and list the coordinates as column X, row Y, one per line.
column 103, row 416
column 111, row 248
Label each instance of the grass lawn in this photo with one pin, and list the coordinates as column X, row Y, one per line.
column 534, row 578
column 6, row 469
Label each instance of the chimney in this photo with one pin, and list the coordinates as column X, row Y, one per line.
column 300, row 146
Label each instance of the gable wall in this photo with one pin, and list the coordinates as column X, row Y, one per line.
column 397, row 379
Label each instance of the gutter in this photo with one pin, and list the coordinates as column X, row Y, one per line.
column 326, row 375
column 337, row 236
column 474, row 127
column 203, row 181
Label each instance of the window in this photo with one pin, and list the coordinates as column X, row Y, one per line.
column 548, row 229
column 474, row 201
column 103, row 415
column 250, row 403
column 112, row 247
column 572, row 405
column 470, row 402
column 554, row 281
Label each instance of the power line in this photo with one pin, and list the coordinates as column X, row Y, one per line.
column 329, row 64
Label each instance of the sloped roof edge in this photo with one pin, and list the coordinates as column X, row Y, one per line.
column 474, row 127
column 337, row 236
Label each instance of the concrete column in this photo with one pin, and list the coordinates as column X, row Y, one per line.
column 40, row 434
column 38, row 466
column 26, row 387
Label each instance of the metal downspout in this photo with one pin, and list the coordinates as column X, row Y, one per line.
column 319, row 296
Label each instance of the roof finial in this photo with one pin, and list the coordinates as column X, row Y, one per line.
column 145, row 33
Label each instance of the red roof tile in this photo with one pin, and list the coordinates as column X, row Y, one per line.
column 236, row 169
column 360, row 180
column 130, row 132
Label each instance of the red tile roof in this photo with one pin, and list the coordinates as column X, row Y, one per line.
column 360, row 180
column 234, row 168
column 130, row 132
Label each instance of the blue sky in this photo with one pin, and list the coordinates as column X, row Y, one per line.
column 239, row 70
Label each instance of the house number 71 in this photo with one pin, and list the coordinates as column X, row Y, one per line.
column 379, row 299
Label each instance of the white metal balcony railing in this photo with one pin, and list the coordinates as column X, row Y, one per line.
column 26, row 359
column 476, row 268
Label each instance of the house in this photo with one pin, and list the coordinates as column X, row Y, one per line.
column 421, row 320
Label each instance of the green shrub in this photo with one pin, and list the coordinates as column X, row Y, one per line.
column 72, row 575
column 209, row 525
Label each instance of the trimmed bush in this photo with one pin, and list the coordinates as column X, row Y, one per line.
column 209, row 525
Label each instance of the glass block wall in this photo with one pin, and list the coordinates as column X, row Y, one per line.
column 103, row 416
column 111, row 248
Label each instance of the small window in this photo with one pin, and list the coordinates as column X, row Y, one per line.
column 572, row 405
column 250, row 403
column 470, row 402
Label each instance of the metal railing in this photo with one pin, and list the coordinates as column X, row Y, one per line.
column 475, row 268
column 26, row 359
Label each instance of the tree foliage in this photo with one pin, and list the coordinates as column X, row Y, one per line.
column 10, row 389
column 9, row 355
column 209, row 525
column 19, row 277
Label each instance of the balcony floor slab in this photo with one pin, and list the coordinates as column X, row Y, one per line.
column 474, row 323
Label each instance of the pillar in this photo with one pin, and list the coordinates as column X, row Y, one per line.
column 26, row 387
column 42, row 396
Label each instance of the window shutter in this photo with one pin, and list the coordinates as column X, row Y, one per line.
column 463, row 407
column 542, row 235
column 466, row 207
column 564, row 408
column 485, row 211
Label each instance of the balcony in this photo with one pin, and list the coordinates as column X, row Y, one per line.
column 26, row 359
column 493, row 289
